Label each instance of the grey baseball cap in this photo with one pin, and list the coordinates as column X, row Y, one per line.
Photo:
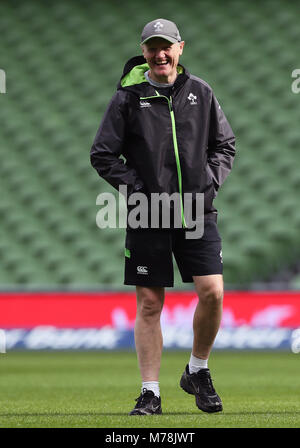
column 161, row 28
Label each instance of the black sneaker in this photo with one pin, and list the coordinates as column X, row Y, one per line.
column 200, row 385
column 147, row 404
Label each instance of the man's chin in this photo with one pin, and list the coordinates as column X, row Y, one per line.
column 163, row 70
column 162, row 75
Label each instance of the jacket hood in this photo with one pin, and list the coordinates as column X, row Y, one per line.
column 134, row 73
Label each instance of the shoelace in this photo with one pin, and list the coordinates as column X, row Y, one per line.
column 141, row 398
column 206, row 382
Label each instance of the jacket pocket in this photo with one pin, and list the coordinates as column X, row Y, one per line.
column 210, row 180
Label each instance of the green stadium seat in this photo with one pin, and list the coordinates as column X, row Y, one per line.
column 63, row 66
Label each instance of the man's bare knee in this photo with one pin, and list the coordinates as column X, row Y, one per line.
column 212, row 295
column 210, row 291
column 149, row 302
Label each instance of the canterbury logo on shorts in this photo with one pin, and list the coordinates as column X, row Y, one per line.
column 142, row 270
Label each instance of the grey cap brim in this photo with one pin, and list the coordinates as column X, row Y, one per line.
column 168, row 38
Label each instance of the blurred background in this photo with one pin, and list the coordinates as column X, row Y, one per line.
column 63, row 60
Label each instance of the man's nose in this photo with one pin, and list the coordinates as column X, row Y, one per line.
column 160, row 53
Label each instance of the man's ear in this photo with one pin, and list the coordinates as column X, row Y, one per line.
column 181, row 44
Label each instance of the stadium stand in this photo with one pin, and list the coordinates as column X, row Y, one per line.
column 63, row 60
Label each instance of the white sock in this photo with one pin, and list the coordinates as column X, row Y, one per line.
column 196, row 364
column 151, row 385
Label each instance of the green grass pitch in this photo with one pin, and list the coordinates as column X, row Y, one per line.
column 97, row 390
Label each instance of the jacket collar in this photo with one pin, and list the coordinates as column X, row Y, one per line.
column 133, row 78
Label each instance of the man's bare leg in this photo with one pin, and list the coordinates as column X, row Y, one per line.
column 147, row 332
column 148, row 343
column 196, row 379
column 208, row 313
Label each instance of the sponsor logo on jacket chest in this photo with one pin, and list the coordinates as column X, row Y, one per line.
column 144, row 104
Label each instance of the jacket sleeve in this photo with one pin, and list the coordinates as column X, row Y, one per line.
column 221, row 145
column 108, row 145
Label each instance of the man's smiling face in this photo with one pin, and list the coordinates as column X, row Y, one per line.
column 162, row 57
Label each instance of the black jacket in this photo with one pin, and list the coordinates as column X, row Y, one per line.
column 180, row 144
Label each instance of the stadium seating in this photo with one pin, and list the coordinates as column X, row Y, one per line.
column 62, row 62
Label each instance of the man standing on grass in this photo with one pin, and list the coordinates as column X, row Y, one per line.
column 175, row 139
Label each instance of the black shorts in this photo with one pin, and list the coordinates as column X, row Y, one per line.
column 149, row 260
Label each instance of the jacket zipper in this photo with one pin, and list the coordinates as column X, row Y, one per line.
column 175, row 146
